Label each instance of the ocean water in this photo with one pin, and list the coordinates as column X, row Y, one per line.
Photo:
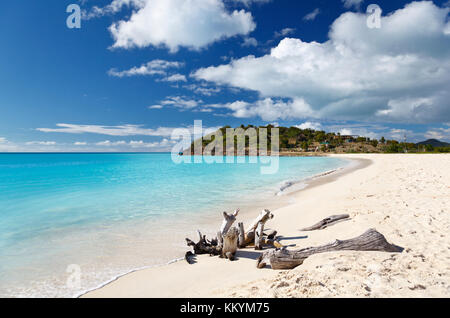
column 102, row 215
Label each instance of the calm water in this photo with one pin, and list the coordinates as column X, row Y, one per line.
column 112, row 213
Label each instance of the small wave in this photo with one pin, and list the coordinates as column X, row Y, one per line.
column 80, row 294
column 302, row 183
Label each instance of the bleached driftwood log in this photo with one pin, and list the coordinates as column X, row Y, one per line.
column 229, row 238
column 328, row 222
column 371, row 240
column 203, row 246
column 263, row 217
column 241, row 240
column 219, row 239
column 228, row 221
column 259, row 236
column 230, row 244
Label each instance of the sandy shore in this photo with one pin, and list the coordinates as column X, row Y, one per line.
column 405, row 197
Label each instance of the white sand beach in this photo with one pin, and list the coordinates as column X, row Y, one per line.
column 405, row 197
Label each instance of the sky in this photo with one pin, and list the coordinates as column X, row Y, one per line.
column 137, row 69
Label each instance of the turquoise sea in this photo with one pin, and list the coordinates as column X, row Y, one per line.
column 108, row 214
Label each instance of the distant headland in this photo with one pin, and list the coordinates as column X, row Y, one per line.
column 294, row 141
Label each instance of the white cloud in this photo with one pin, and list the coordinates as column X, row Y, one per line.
column 112, row 8
column 123, row 145
column 178, row 23
column 400, row 134
column 41, row 143
column 203, row 90
column 159, row 144
column 433, row 134
column 398, row 73
column 175, row 78
column 181, row 102
column 268, row 109
column 312, row 15
column 310, row 125
column 416, row 109
column 155, row 67
column 122, row 130
column 346, row 132
column 247, row 3
column 352, row 3
column 284, row 32
column 250, row 42
column 163, row 144
column 7, row 146
column 441, row 133
column 108, row 143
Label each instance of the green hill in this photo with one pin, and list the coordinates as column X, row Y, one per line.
column 434, row 143
column 295, row 141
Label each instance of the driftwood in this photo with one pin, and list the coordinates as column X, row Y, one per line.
column 371, row 240
column 190, row 257
column 230, row 244
column 219, row 239
column 327, row 222
column 259, row 236
column 228, row 221
column 272, row 235
column 263, row 217
column 225, row 245
column 230, row 238
column 203, row 246
column 241, row 240
column 270, row 239
column 272, row 242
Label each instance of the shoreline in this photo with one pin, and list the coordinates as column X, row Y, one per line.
column 134, row 243
column 308, row 183
column 404, row 197
column 333, row 175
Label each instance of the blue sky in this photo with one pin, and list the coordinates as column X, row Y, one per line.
column 136, row 69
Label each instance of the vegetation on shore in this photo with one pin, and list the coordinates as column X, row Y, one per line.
column 294, row 140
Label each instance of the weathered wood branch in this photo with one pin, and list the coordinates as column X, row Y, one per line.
column 230, row 243
column 241, row 240
column 190, row 257
column 219, row 239
column 263, row 217
column 204, row 246
column 228, row 221
column 272, row 242
column 272, row 235
column 229, row 238
column 371, row 240
column 327, row 222
column 249, row 239
column 259, row 233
